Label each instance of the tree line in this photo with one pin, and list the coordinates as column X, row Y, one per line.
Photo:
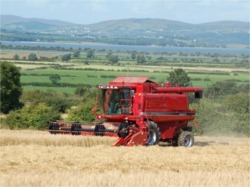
column 90, row 54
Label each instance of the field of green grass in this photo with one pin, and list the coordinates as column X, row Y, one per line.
column 67, row 90
column 95, row 77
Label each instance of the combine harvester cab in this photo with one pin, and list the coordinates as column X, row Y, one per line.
column 140, row 112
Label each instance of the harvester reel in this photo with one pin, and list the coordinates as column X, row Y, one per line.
column 99, row 130
column 75, row 127
column 153, row 134
column 53, row 127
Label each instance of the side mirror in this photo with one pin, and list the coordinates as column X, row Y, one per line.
column 198, row 95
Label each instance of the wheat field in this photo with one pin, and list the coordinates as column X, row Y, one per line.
column 37, row 158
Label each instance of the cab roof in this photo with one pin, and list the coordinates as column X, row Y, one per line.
column 128, row 79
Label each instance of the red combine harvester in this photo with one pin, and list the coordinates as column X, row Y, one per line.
column 140, row 112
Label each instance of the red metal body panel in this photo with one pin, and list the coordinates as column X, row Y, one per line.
column 165, row 102
column 177, row 89
column 168, row 129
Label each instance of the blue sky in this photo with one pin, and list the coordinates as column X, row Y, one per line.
column 93, row 11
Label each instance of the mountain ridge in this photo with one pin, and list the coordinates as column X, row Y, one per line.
column 130, row 31
column 10, row 19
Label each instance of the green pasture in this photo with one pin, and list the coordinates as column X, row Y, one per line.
column 95, row 77
column 68, row 90
column 92, row 77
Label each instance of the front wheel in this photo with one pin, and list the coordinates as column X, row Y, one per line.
column 123, row 130
column 153, row 134
column 186, row 139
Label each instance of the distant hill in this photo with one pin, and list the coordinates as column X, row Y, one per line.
column 11, row 19
column 168, row 25
column 140, row 25
column 128, row 31
column 225, row 26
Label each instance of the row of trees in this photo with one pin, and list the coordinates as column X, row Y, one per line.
column 76, row 54
column 141, row 57
column 31, row 57
column 114, row 59
column 133, row 53
column 90, row 54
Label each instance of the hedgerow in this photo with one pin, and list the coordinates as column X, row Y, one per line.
column 34, row 117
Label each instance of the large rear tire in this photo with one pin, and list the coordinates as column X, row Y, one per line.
column 186, row 139
column 153, row 134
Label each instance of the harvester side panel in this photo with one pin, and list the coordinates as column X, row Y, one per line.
column 168, row 129
column 165, row 102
